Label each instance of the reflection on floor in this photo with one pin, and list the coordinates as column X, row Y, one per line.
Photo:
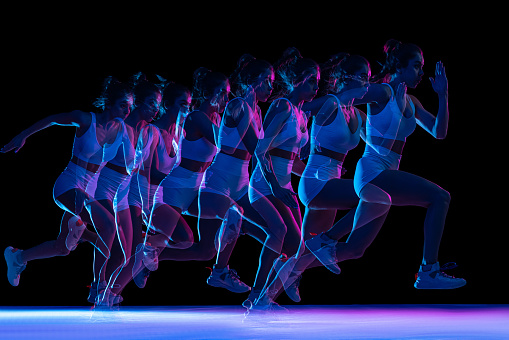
column 230, row 322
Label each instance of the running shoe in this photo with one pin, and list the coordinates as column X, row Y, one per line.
column 266, row 304
column 248, row 303
column 227, row 278
column 14, row 266
column 324, row 249
column 433, row 277
column 116, row 299
column 150, row 257
column 141, row 278
column 103, row 299
column 293, row 288
column 76, row 228
column 95, row 289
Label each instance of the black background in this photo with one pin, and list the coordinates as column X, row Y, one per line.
column 56, row 58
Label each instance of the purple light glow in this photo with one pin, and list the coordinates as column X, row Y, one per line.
column 220, row 322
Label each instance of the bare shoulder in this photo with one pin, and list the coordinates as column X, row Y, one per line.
column 381, row 91
column 280, row 110
column 327, row 112
column 115, row 124
column 415, row 100
column 235, row 111
column 82, row 118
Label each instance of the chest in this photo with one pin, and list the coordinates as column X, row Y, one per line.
column 102, row 135
column 409, row 109
column 168, row 140
column 351, row 119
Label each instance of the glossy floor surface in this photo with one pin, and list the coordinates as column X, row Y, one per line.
column 230, row 322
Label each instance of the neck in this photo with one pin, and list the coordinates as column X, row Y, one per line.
column 295, row 99
column 134, row 118
column 166, row 121
column 395, row 81
column 255, row 101
column 207, row 108
column 103, row 118
column 339, row 93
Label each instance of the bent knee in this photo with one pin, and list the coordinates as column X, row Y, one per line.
column 182, row 236
column 182, row 245
column 62, row 251
column 373, row 194
column 207, row 254
column 357, row 253
column 444, row 196
column 279, row 231
column 274, row 243
column 439, row 196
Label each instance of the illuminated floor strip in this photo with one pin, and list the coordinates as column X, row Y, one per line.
column 229, row 322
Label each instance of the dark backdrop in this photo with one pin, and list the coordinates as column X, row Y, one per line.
column 56, row 63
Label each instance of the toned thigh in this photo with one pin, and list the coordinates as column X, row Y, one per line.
column 337, row 193
column 271, row 216
column 406, row 188
column 249, row 212
column 293, row 221
column 213, row 205
column 317, row 221
column 72, row 200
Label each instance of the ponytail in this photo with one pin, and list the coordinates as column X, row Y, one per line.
column 204, row 83
column 397, row 55
column 248, row 70
column 290, row 69
column 112, row 90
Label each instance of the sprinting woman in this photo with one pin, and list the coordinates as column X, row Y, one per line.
column 98, row 136
column 391, row 118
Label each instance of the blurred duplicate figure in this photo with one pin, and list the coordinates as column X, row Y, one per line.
column 270, row 191
column 224, row 191
column 157, row 153
column 113, row 187
column 97, row 140
column 179, row 191
column 337, row 128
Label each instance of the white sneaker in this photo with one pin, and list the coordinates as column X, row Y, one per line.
column 76, row 229
column 324, row 249
column 138, row 265
column 14, row 267
column 147, row 255
column 292, row 290
column 253, row 295
column 432, row 277
column 266, row 304
column 227, row 278
column 284, row 269
column 95, row 289
column 103, row 299
column 115, row 299
column 141, row 278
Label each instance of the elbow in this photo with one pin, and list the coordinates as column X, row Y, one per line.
column 440, row 134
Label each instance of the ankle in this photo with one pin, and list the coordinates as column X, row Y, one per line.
column 427, row 265
column 219, row 268
column 20, row 259
column 254, row 294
